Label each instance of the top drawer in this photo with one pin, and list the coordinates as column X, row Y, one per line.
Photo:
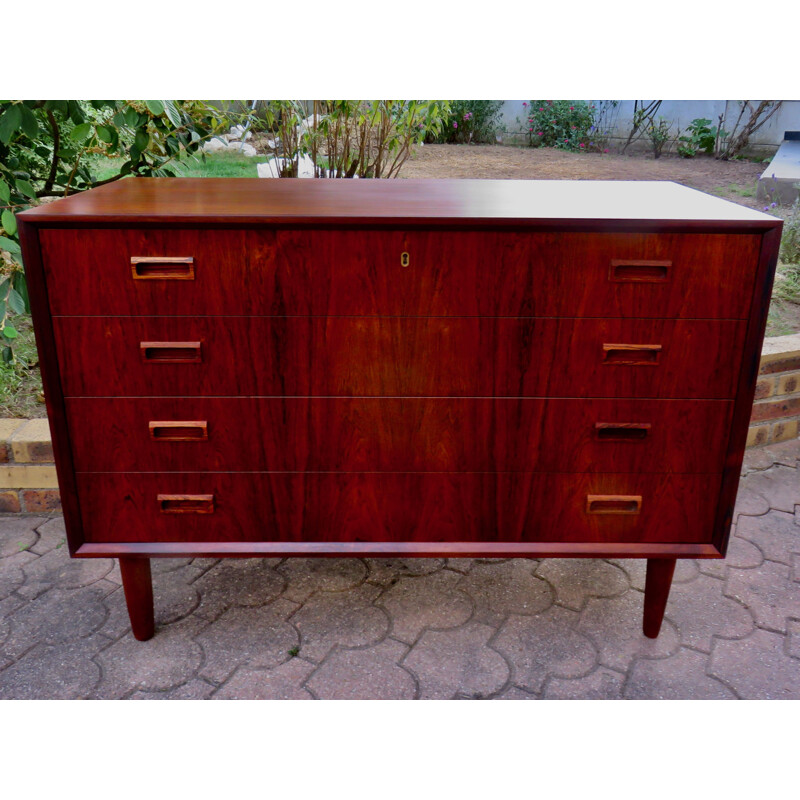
column 287, row 272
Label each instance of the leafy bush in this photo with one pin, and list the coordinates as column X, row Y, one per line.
column 790, row 239
column 565, row 124
column 658, row 134
column 471, row 121
column 701, row 139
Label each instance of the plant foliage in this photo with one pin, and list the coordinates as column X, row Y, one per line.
column 471, row 121
column 565, row 124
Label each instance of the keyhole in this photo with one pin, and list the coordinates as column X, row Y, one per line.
column 404, row 259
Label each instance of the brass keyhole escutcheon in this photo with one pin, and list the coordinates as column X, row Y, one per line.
column 404, row 259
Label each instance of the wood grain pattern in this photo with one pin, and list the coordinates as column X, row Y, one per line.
column 357, row 272
column 408, row 507
column 388, row 435
column 401, row 357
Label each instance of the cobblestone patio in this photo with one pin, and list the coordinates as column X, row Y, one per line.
column 414, row 628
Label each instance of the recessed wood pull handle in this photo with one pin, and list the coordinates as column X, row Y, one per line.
column 152, row 268
column 190, row 431
column 636, row 355
column 171, row 352
column 621, row 431
column 186, row 503
column 613, row 504
column 639, row 271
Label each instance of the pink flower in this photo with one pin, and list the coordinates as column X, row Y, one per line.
column 581, row 144
column 572, row 108
column 566, row 140
column 541, row 108
column 455, row 124
column 540, row 134
column 530, row 129
column 574, row 127
column 524, row 104
column 605, row 151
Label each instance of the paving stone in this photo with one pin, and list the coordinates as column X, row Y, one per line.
column 768, row 592
column 576, row 579
column 18, row 533
column 194, row 689
column 515, row 693
column 369, row 674
column 634, row 568
column 774, row 533
column 757, row 668
column 462, row 565
column 161, row 565
column 779, row 486
column 602, row 684
column 258, row 637
column 757, row 459
column 615, row 626
column 686, row 570
column 545, row 645
column 345, row 618
column 56, row 617
column 284, row 682
column 56, row 568
column 242, row 583
column 164, row 662
column 457, row 662
column 741, row 555
column 430, row 601
column 62, row 672
column 701, row 611
column 748, row 501
column 680, row 677
column 52, row 535
column 11, row 573
column 308, row 575
column 386, row 570
column 793, row 639
column 500, row 588
column 786, row 453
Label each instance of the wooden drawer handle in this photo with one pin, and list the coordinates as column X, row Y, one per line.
column 194, row 431
column 147, row 268
column 639, row 271
column 171, row 352
column 622, row 431
column 186, row 503
column 636, row 355
column 613, row 504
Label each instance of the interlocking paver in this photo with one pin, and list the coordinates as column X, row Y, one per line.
column 602, row 684
column 347, row 618
column 387, row 570
column 793, row 640
column 194, row 689
column 681, row 677
column 500, row 588
column 284, row 682
column 238, row 582
column 457, row 663
column 308, row 575
column 515, row 693
column 429, row 601
column 775, row 535
column 741, row 554
column 56, row 567
column 778, row 485
column 18, row 533
column 545, row 645
column 748, row 501
column 52, row 535
column 258, row 637
column 757, row 668
column 575, row 580
column 768, row 592
column 11, row 573
column 372, row 672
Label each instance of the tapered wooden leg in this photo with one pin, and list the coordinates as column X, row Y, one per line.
column 138, row 586
column 656, row 592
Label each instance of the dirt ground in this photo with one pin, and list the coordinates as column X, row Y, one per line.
column 733, row 180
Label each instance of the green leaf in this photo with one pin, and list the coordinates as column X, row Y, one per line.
column 9, row 123
column 16, row 302
column 25, row 188
column 30, row 125
column 10, row 332
column 5, row 191
column 131, row 117
column 80, row 132
column 172, row 113
column 9, row 221
column 9, row 244
column 105, row 133
column 156, row 107
column 8, row 355
column 21, row 285
column 142, row 140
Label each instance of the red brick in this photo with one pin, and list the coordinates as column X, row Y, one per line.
column 9, row 502
column 775, row 409
column 789, row 384
column 3, row 452
column 784, row 365
column 42, row 500
column 764, row 388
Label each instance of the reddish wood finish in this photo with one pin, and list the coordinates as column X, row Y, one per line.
column 398, row 357
column 546, row 368
column 138, row 587
column 373, row 507
column 356, row 272
column 399, row 435
column 656, row 592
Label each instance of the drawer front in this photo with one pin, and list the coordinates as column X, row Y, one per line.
column 413, row 273
column 430, row 357
column 398, row 435
column 407, row 507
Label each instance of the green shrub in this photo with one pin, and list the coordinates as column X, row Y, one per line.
column 701, row 139
column 471, row 121
column 565, row 124
column 790, row 240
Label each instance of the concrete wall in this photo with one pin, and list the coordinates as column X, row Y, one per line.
column 679, row 113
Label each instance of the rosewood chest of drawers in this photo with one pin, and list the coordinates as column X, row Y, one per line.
column 238, row 367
